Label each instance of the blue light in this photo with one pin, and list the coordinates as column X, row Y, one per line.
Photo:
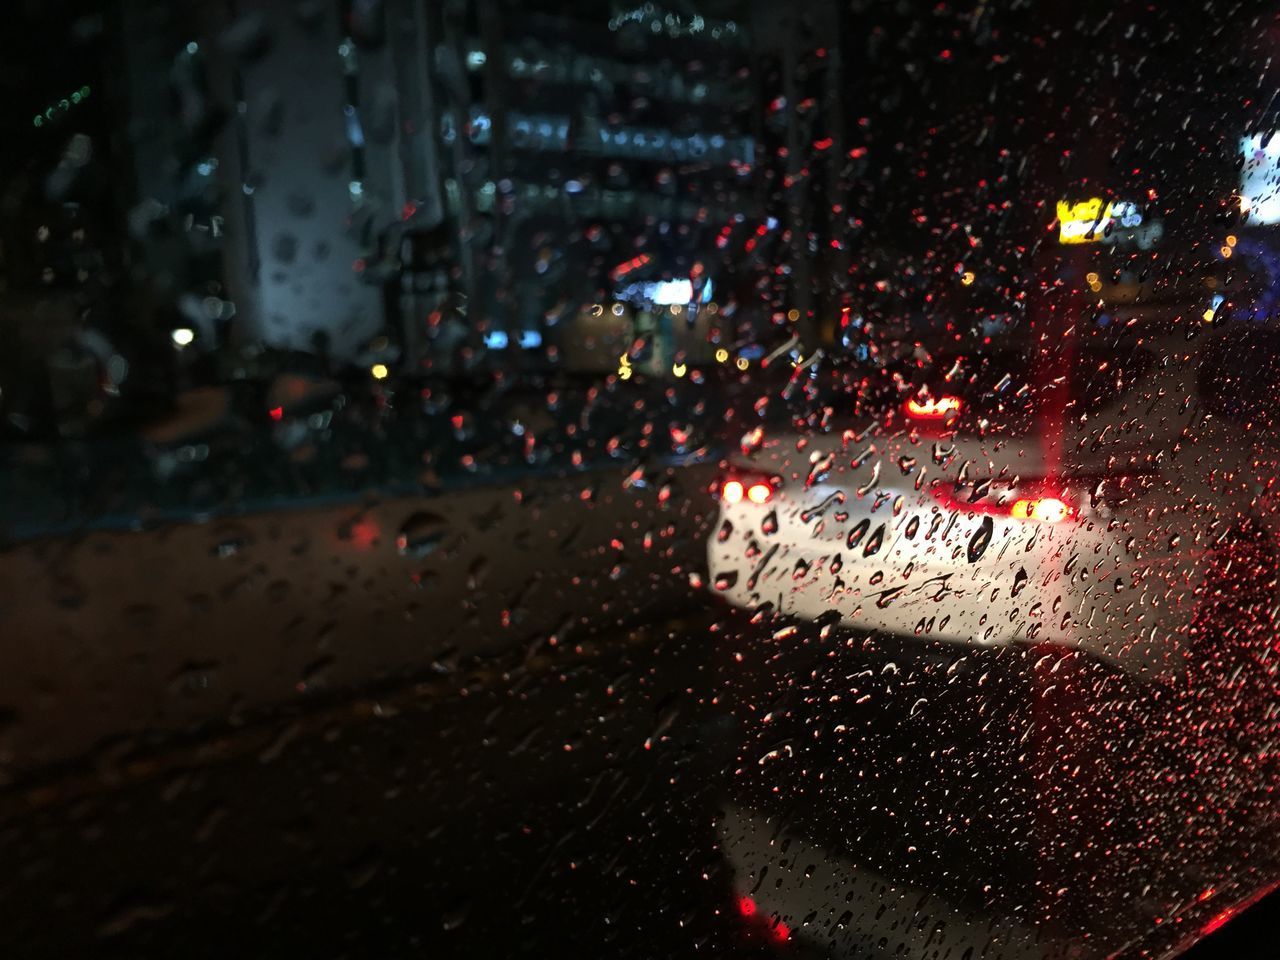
column 496, row 340
column 529, row 339
column 355, row 133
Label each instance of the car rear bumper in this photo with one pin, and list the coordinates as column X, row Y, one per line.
column 1073, row 586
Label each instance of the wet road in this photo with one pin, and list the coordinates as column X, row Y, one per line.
column 621, row 795
column 507, row 721
column 553, row 804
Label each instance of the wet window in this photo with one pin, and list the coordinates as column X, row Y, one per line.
column 681, row 478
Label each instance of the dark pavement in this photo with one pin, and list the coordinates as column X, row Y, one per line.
column 566, row 802
column 556, row 805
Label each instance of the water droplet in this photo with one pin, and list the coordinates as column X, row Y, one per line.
column 420, row 535
column 1019, row 582
column 820, row 470
column 769, row 524
column 857, row 533
column 872, row 481
column 981, row 539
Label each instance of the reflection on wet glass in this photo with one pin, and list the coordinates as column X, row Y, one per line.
column 722, row 478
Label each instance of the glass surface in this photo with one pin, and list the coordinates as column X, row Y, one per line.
column 703, row 478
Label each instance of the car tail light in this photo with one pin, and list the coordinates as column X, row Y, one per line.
column 757, row 488
column 1044, row 509
column 1035, row 500
column 772, row 927
column 933, row 408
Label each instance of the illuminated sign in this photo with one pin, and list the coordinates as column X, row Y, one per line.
column 669, row 292
column 660, row 293
column 1260, row 178
column 1090, row 221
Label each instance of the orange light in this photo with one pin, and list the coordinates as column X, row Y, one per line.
column 731, row 492
column 1046, row 510
column 759, row 493
column 932, row 409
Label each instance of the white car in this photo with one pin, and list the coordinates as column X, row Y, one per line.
column 1109, row 501
column 1102, row 496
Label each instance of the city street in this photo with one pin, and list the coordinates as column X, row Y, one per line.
column 506, row 478
column 617, row 768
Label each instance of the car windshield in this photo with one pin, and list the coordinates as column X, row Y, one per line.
column 639, row 478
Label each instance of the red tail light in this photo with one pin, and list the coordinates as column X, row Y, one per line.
column 758, row 489
column 933, row 408
column 772, row 927
column 1033, row 500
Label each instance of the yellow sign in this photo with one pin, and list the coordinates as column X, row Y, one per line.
column 1086, row 221
column 1080, row 222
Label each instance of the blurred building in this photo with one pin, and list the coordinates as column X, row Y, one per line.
column 432, row 186
column 373, row 175
column 589, row 159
